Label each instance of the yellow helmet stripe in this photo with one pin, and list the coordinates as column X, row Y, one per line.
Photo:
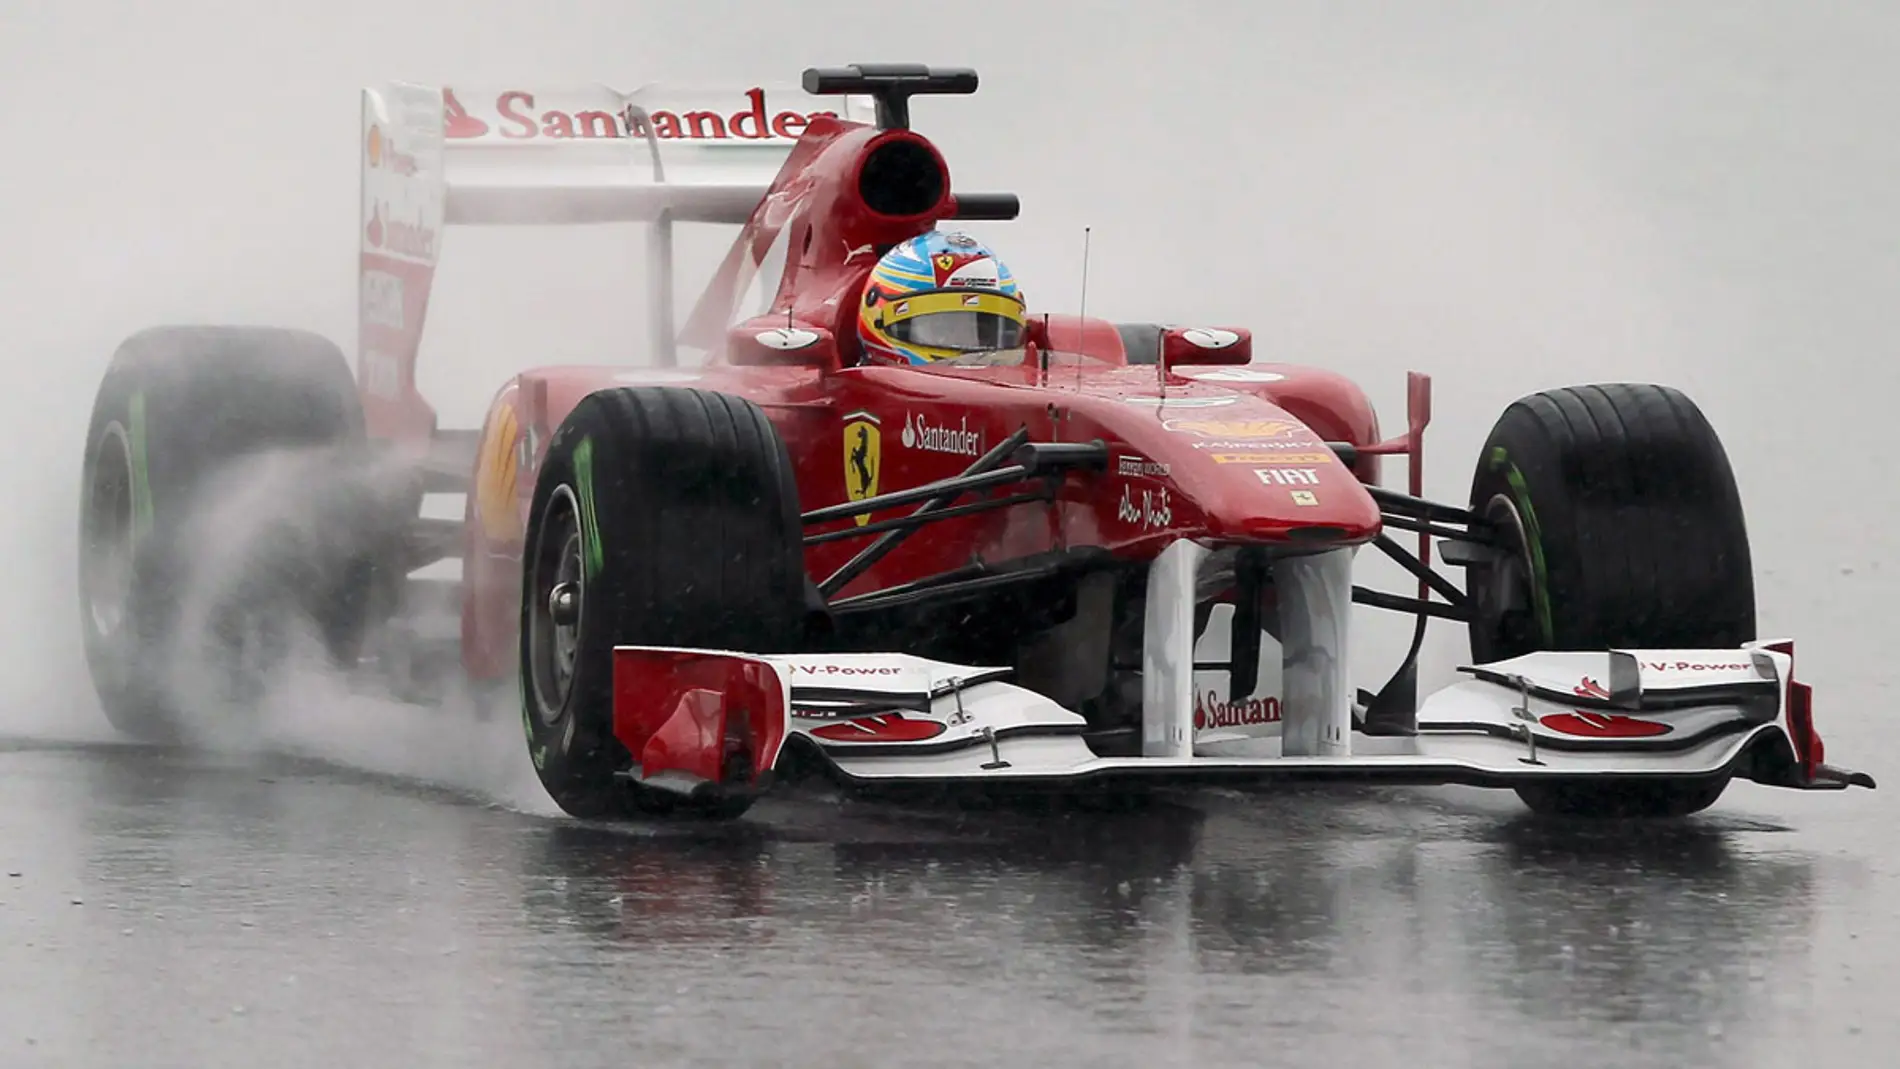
column 954, row 301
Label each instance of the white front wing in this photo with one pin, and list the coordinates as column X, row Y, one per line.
column 1679, row 714
column 1474, row 732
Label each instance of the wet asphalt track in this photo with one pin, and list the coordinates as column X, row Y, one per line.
column 163, row 908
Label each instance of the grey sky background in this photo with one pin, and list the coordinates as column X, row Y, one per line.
column 1509, row 196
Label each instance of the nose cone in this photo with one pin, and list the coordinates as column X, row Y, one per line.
column 1260, row 475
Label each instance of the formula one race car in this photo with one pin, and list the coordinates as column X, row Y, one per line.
column 891, row 529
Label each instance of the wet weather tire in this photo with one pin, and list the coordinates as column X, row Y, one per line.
column 661, row 516
column 1623, row 528
column 177, row 409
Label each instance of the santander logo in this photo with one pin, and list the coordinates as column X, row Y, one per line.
column 524, row 115
column 1590, row 724
column 1212, row 712
column 888, row 727
column 388, row 234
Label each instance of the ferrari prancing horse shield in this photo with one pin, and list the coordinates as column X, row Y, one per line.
column 863, row 456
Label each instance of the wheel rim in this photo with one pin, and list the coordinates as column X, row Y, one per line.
column 110, row 533
column 558, row 594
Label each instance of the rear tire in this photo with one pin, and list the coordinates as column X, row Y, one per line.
column 178, row 409
column 671, row 517
column 1624, row 528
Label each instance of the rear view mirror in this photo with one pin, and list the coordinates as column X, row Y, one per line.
column 754, row 342
column 1206, row 345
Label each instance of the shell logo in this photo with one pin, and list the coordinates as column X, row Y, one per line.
column 495, row 506
column 374, row 149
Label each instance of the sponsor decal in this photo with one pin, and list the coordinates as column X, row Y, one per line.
column 1225, row 431
column 1299, row 442
column 1210, row 711
column 1288, row 476
column 863, row 458
column 1305, row 498
column 517, row 115
column 1694, row 666
column 398, row 237
column 495, row 478
column 1137, row 466
column 834, row 713
column 786, row 338
column 1591, row 724
column 1595, row 725
column 382, row 154
column 1209, row 337
column 1228, row 374
column 847, row 671
column 920, row 434
column 382, row 299
column 1322, row 457
column 1152, row 511
column 980, row 273
column 382, row 377
column 887, row 727
column 1183, row 402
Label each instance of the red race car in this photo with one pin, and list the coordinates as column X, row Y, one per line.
column 891, row 526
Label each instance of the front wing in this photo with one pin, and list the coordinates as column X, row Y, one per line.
column 1217, row 705
column 896, row 720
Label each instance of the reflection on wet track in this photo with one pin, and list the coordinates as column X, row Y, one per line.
column 167, row 908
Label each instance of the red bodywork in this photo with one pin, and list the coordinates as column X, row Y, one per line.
column 1238, row 461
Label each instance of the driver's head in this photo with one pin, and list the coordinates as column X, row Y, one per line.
column 938, row 296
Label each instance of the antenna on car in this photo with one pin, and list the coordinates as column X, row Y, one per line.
column 1082, row 312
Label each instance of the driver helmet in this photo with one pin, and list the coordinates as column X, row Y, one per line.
column 938, row 296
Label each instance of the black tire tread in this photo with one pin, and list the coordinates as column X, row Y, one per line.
column 1632, row 481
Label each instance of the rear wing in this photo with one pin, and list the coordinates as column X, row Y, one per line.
column 440, row 156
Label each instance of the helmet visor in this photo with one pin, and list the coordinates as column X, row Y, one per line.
column 960, row 321
column 963, row 331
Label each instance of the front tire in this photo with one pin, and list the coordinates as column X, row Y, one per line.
column 664, row 517
column 1623, row 528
